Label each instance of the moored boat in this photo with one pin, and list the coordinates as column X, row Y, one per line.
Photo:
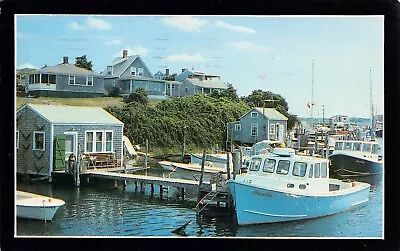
column 35, row 206
column 283, row 186
column 355, row 158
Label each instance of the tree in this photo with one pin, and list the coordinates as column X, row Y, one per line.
column 229, row 93
column 170, row 77
column 139, row 96
column 83, row 63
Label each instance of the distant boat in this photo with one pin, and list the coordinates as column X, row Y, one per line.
column 35, row 206
column 355, row 158
column 284, row 186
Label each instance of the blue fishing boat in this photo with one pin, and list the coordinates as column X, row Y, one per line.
column 283, row 186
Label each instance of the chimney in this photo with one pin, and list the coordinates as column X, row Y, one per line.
column 124, row 53
column 166, row 72
column 65, row 60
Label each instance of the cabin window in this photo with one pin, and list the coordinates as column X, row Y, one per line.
column 238, row 127
column 17, row 140
column 324, row 170
column 255, row 164
column 254, row 129
column 311, row 172
column 133, row 71
column 109, row 70
column 338, row 145
column 71, row 80
column 347, row 146
column 299, row 169
column 366, row 147
column 38, row 141
column 269, row 165
column 89, row 81
column 375, row 149
column 37, row 78
column 357, row 146
column 317, row 170
column 99, row 141
column 283, row 167
column 140, row 71
column 254, row 115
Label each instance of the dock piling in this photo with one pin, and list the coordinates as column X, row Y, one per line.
column 235, row 161
column 201, row 175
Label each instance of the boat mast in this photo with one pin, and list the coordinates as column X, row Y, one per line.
column 371, row 103
column 312, row 89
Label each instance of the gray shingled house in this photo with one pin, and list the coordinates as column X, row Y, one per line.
column 129, row 73
column 256, row 125
column 64, row 80
column 48, row 134
column 191, row 87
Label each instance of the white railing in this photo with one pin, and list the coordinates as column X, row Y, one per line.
column 39, row 87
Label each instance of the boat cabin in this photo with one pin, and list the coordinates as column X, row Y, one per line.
column 283, row 170
column 359, row 146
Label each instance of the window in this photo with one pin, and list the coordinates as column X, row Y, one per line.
column 255, row 164
column 31, row 79
column 38, row 141
column 254, row 129
column 89, row 81
column 299, row 169
column 324, row 170
column 272, row 129
column 366, row 147
column 283, row 167
column 347, row 146
column 99, row 141
column 269, row 165
column 45, row 79
column 140, row 71
column 311, row 172
column 254, row 115
column 357, row 146
column 238, row 127
column 186, row 89
column 109, row 70
column 37, row 78
column 317, row 170
column 71, row 80
column 17, row 140
column 52, row 79
column 133, row 71
column 338, row 145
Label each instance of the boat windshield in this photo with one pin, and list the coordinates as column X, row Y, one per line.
column 269, row 165
column 375, row 149
column 366, row 147
column 283, row 167
column 299, row 169
column 347, row 145
column 357, row 146
column 338, row 145
column 255, row 164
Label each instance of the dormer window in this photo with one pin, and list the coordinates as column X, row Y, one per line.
column 254, row 115
column 140, row 71
column 133, row 71
column 109, row 70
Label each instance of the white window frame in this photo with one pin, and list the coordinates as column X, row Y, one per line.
column 272, row 129
column 140, row 71
column 254, row 115
column 75, row 150
column 112, row 70
column 254, row 125
column 69, row 80
column 17, row 139
column 133, row 71
column 103, row 141
column 238, row 127
column 87, row 80
column 34, row 141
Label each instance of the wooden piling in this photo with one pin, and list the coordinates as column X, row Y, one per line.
column 161, row 191
column 235, row 161
column 201, row 175
column 136, row 186
column 228, row 171
column 151, row 190
column 183, row 193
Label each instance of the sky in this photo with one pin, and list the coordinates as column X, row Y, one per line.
column 332, row 61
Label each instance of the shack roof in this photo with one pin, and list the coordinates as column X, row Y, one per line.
column 63, row 114
column 270, row 113
column 68, row 69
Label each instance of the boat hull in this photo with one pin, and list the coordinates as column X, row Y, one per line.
column 37, row 213
column 36, row 207
column 255, row 205
column 346, row 166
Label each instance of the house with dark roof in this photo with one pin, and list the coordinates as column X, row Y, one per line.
column 129, row 73
column 64, row 80
column 192, row 74
column 256, row 125
column 47, row 135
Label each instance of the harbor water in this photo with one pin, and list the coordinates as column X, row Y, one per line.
column 100, row 209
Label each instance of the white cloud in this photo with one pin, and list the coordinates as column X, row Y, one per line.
column 26, row 65
column 98, row 24
column 249, row 46
column 76, row 26
column 186, row 58
column 185, row 23
column 236, row 28
column 113, row 42
column 137, row 50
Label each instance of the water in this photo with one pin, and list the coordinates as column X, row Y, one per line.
column 99, row 209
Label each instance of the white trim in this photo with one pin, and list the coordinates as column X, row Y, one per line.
column 75, row 134
column 69, row 79
column 51, row 148
column 254, row 117
column 87, row 80
column 138, row 71
column 238, row 127
column 251, row 129
column 34, row 138
column 133, row 70
column 103, row 141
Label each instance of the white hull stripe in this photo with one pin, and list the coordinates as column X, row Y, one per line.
column 357, row 203
column 276, row 215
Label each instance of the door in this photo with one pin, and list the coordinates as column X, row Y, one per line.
column 71, row 145
column 281, row 133
column 59, row 149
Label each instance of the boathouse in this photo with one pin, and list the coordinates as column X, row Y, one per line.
column 47, row 135
column 256, row 125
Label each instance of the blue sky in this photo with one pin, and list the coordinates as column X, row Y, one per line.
column 271, row 53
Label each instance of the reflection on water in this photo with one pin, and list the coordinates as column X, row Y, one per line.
column 98, row 209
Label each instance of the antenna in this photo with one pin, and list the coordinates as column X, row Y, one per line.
column 312, row 89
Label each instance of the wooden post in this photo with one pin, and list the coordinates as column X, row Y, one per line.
column 147, row 152
column 136, row 186
column 161, row 191
column 141, row 187
column 183, row 193
column 228, row 170
column 115, row 184
column 201, row 175
column 151, row 189
column 76, row 168
column 235, row 163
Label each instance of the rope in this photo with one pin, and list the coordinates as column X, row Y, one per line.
column 207, row 202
